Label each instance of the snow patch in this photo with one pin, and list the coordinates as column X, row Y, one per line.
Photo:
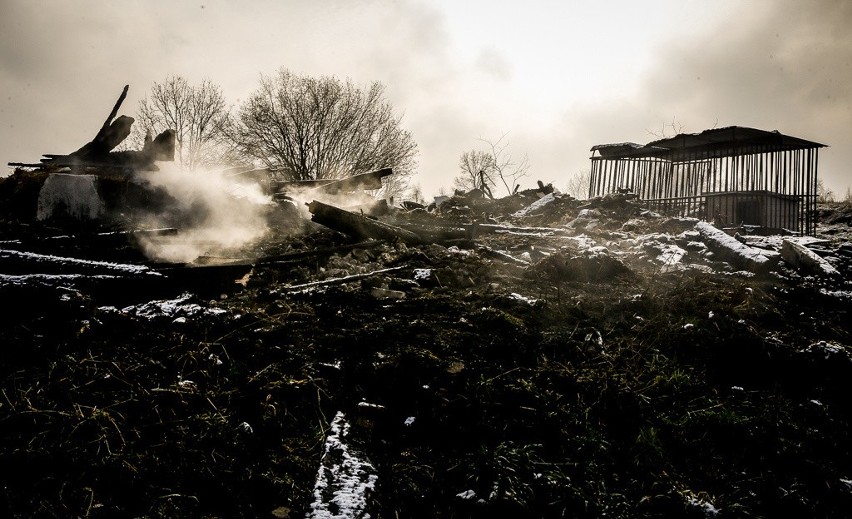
column 172, row 308
column 538, row 204
column 467, row 495
column 31, row 258
column 528, row 300
column 344, row 478
column 703, row 505
column 840, row 294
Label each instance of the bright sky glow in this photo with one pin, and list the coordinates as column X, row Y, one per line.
column 559, row 77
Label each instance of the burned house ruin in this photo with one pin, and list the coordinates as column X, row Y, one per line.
column 731, row 176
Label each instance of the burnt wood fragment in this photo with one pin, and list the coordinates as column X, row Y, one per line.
column 359, row 226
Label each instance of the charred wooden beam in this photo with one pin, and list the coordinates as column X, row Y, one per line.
column 106, row 140
column 359, row 226
column 98, row 153
column 360, row 182
column 161, row 148
column 373, row 208
column 111, row 134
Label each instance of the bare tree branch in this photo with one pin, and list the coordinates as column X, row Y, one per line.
column 318, row 128
column 507, row 169
column 197, row 114
column 477, row 171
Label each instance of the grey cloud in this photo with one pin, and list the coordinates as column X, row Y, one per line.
column 781, row 65
column 494, row 64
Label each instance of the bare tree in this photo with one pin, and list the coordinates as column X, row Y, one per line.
column 197, row 114
column 319, row 128
column 506, row 168
column 668, row 130
column 415, row 194
column 578, row 184
column 824, row 194
column 477, row 171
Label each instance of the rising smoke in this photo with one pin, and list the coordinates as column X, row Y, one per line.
column 216, row 215
column 221, row 217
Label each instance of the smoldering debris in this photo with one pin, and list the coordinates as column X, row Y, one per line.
column 216, row 215
column 574, row 353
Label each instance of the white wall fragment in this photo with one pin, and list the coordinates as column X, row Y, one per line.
column 66, row 195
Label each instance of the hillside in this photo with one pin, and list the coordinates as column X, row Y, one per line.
column 564, row 359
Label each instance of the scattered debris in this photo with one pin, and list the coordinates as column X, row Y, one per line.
column 585, row 357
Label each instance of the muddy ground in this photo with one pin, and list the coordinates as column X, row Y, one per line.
column 581, row 371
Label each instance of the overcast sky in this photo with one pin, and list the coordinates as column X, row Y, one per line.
column 556, row 76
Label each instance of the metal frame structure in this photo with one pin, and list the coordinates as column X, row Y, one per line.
column 755, row 170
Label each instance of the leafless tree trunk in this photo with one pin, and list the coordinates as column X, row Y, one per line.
column 507, row 169
column 477, row 171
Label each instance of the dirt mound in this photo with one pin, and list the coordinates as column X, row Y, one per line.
column 835, row 213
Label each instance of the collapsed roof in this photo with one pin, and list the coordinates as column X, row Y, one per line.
column 716, row 142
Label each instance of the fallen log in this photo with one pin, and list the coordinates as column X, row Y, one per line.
column 752, row 258
column 359, row 226
column 803, row 258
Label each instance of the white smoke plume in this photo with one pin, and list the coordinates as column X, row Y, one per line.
column 216, row 215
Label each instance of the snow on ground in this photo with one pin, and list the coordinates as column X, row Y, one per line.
column 524, row 299
column 344, row 478
column 47, row 279
column 840, row 294
column 179, row 308
column 32, row 258
column 538, row 204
